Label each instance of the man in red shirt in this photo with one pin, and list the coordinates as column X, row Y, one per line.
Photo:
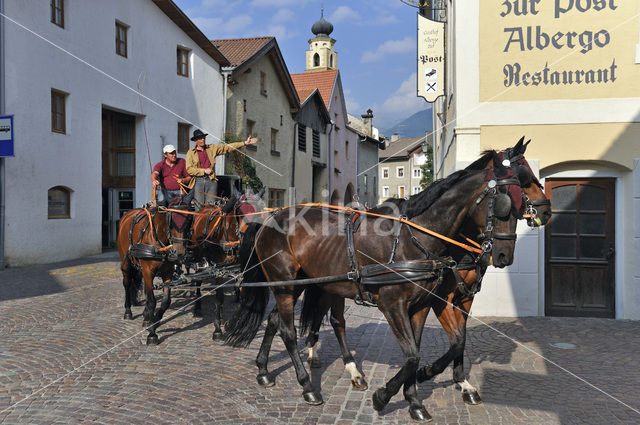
column 169, row 173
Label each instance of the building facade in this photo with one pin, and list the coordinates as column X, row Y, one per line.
column 262, row 101
column 321, row 73
column 367, row 153
column 564, row 76
column 399, row 168
column 91, row 114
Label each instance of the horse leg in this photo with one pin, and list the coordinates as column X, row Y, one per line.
column 285, row 300
column 150, row 305
column 152, row 338
column 339, row 328
column 273, row 322
column 217, row 316
column 128, row 283
column 398, row 318
column 197, row 305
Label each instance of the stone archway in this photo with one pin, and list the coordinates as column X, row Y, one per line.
column 335, row 198
column 348, row 194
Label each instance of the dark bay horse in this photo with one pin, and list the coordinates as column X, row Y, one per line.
column 307, row 242
column 453, row 318
column 150, row 244
column 214, row 242
column 452, row 306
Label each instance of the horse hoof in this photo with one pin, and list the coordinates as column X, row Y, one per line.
column 358, row 383
column 128, row 316
column 377, row 399
column 471, row 397
column 314, row 363
column 424, row 373
column 420, row 414
column 153, row 340
column 313, row 398
column 217, row 334
column 265, row 380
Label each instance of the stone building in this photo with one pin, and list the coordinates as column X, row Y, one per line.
column 91, row 113
column 565, row 76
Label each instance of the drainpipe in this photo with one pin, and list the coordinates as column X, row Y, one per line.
column 2, row 112
column 332, row 124
column 226, row 71
column 292, row 191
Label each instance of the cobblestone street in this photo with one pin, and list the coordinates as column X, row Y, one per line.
column 67, row 356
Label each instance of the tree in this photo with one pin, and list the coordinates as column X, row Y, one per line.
column 241, row 165
column 427, row 168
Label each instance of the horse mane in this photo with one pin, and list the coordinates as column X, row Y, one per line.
column 484, row 159
column 419, row 202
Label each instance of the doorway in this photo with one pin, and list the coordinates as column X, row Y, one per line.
column 118, row 171
column 580, row 248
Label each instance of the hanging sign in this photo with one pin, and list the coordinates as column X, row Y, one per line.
column 430, row 58
column 6, row 136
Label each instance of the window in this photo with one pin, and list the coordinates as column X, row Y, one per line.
column 399, row 172
column 331, row 61
column 58, row 114
column 57, row 12
column 417, row 173
column 415, row 190
column 276, row 198
column 183, row 61
column 121, row 39
column 263, row 83
column 346, row 149
column 366, row 184
column 316, row 143
column 59, row 202
column 385, row 172
column 316, row 60
column 302, row 138
column 183, row 137
column 400, row 191
column 250, row 130
column 274, row 140
column 385, row 191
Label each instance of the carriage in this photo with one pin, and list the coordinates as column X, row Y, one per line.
column 404, row 257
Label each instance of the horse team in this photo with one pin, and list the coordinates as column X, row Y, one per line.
column 406, row 257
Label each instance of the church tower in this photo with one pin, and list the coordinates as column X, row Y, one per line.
column 321, row 55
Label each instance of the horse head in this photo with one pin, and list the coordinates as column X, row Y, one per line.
column 495, row 213
column 538, row 206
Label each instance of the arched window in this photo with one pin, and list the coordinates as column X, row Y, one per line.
column 316, row 60
column 59, row 202
column 331, row 61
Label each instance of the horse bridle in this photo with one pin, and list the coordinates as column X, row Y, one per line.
column 530, row 205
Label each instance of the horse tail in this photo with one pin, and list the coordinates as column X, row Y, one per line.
column 310, row 307
column 246, row 320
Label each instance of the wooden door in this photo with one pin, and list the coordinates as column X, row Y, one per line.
column 579, row 248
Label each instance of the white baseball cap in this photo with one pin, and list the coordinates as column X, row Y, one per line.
column 168, row 149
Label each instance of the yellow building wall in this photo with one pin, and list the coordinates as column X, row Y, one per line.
column 558, row 49
column 613, row 143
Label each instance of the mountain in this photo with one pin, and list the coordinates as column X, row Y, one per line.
column 414, row 126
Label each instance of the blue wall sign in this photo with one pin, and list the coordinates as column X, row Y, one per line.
column 6, row 135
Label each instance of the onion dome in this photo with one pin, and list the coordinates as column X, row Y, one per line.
column 322, row 27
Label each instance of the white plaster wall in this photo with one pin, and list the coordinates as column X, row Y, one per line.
column 632, row 293
column 348, row 167
column 94, row 77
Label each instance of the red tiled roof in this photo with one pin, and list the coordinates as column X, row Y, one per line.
column 322, row 80
column 238, row 50
column 303, row 94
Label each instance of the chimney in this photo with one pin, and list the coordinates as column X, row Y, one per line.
column 395, row 137
column 368, row 122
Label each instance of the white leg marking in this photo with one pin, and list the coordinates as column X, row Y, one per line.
column 353, row 370
column 465, row 385
column 313, row 354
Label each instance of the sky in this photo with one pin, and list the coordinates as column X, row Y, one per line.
column 375, row 42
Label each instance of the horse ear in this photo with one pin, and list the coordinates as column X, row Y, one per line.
column 524, row 147
column 260, row 193
column 517, row 148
